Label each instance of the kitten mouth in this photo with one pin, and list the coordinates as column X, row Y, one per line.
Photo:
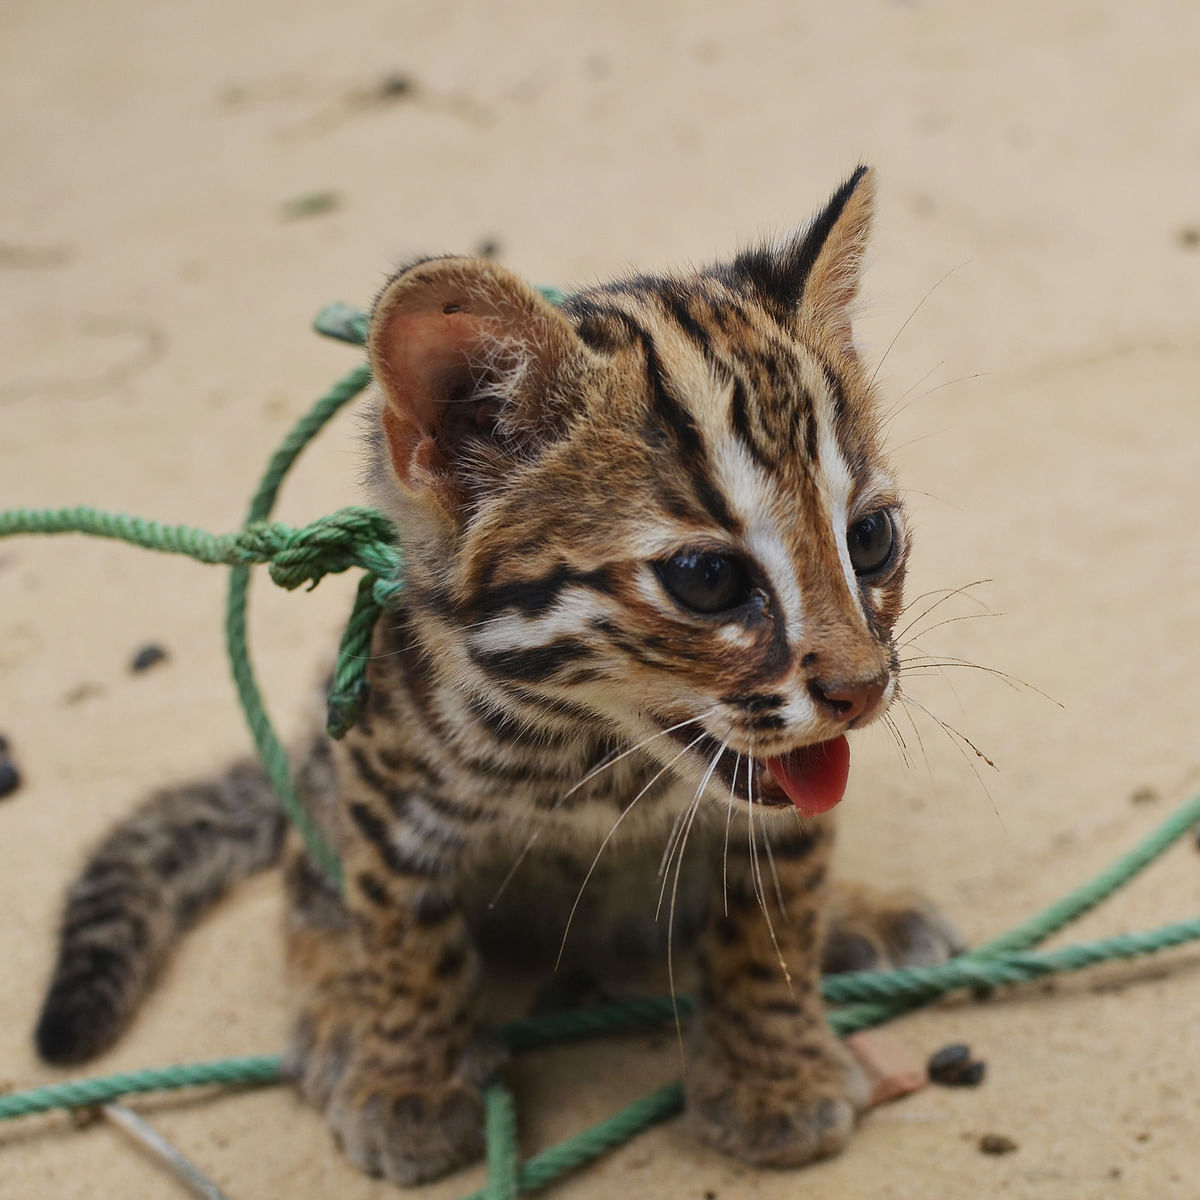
column 812, row 778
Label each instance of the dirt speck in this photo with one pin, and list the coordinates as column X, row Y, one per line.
column 310, row 204
column 996, row 1143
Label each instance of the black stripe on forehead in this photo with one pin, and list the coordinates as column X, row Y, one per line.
column 598, row 324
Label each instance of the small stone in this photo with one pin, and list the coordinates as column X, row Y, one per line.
column 488, row 248
column 1189, row 237
column 1143, row 795
column 396, row 85
column 972, row 1074
column 952, row 1066
column 996, row 1143
column 147, row 656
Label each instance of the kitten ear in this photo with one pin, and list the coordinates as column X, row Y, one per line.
column 815, row 276
column 463, row 352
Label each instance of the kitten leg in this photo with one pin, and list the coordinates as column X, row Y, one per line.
column 766, row 1080
column 389, row 1043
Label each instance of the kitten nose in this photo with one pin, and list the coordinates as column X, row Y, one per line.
column 848, row 700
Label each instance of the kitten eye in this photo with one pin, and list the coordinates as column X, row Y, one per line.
column 704, row 582
column 870, row 542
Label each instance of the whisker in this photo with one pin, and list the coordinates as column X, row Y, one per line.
column 947, row 594
column 944, row 661
column 920, row 305
column 921, row 743
column 898, row 406
column 611, row 762
column 978, row 616
column 775, row 877
column 603, row 766
column 897, row 739
column 694, row 809
column 725, row 850
column 962, row 737
column 759, row 891
column 608, row 838
column 954, row 736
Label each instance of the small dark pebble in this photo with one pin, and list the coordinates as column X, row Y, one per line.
column 1143, row 795
column 952, row 1066
column 996, row 1143
column 1189, row 237
column 488, row 248
column 147, row 656
column 10, row 778
column 396, row 85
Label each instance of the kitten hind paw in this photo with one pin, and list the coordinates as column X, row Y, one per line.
column 879, row 931
column 781, row 1118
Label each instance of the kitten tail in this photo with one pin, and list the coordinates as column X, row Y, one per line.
column 153, row 876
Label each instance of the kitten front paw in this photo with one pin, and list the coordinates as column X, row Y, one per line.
column 407, row 1132
column 801, row 1109
column 392, row 1113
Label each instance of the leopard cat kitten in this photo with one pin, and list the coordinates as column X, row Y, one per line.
column 654, row 557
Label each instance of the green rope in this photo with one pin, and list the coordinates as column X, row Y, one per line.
column 252, row 1070
column 270, row 749
column 364, row 539
column 503, row 1163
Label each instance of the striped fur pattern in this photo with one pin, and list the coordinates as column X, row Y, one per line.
column 636, row 532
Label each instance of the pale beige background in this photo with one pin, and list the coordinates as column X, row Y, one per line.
column 1039, row 168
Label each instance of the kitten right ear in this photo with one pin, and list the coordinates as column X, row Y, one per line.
column 463, row 350
column 814, row 277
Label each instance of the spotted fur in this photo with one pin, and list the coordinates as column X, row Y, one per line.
column 549, row 722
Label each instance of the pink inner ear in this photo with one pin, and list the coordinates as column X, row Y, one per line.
column 417, row 357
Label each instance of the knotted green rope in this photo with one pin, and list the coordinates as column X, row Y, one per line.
column 363, row 538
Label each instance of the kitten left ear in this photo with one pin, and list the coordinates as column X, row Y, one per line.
column 464, row 353
column 815, row 276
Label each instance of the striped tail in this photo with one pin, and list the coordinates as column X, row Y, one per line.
column 145, row 884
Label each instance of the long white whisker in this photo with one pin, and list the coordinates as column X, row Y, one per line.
column 603, row 766
column 608, row 837
column 775, row 876
column 756, row 876
column 664, row 865
column 725, row 851
column 611, row 762
column 695, row 808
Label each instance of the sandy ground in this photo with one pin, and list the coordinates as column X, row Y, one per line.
column 1037, row 266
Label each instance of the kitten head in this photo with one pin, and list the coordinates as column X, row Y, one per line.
column 661, row 506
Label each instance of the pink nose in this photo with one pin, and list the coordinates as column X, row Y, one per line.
column 848, row 701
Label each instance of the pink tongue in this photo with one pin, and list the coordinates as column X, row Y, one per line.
column 814, row 777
